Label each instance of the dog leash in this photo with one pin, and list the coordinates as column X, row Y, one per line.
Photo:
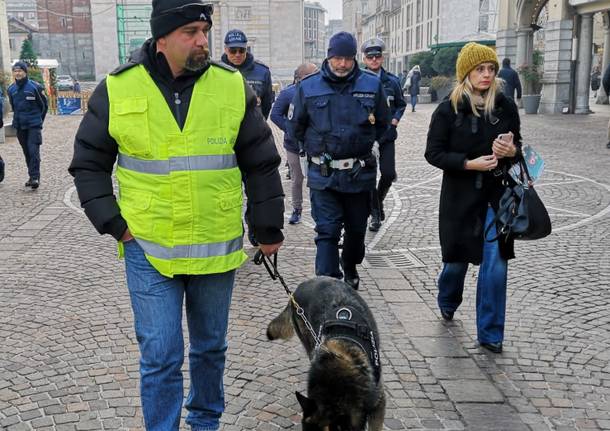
column 271, row 266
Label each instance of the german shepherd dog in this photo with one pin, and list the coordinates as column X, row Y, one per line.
column 345, row 389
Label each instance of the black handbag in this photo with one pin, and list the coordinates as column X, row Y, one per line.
column 521, row 214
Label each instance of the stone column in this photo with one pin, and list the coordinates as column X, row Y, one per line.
column 602, row 97
column 557, row 64
column 583, row 71
column 506, row 46
column 524, row 51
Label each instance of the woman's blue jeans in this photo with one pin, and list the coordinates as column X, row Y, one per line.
column 156, row 301
column 491, row 289
column 413, row 101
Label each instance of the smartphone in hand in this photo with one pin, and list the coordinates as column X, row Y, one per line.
column 506, row 137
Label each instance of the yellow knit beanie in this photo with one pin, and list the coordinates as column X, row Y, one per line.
column 471, row 55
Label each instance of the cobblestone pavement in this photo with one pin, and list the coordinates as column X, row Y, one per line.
column 69, row 359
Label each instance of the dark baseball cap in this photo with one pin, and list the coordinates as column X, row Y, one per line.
column 236, row 39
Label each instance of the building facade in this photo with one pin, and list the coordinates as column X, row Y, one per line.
column 274, row 29
column 334, row 26
column 65, row 34
column 314, row 32
column 568, row 47
column 411, row 26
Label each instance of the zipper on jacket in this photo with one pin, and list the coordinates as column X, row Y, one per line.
column 177, row 103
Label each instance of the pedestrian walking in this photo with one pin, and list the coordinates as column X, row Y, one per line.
column 463, row 141
column 258, row 76
column 512, row 83
column 595, row 80
column 178, row 219
column 606, row 84
column 76, row 86
column 279, row 114
column 412, row 85
column 30, row 108
column 338, row 113
column 372, row 51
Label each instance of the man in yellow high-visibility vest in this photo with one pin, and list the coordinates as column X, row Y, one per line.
column 183, row 130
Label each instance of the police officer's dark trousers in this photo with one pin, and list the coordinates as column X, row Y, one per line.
column 387, row 167
column 30, row 141
column 332, row 212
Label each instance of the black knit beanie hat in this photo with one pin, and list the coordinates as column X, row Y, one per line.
column 168, row 15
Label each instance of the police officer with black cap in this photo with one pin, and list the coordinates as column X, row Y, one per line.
column 372, row 52
column 257, row 74
column 338, row 113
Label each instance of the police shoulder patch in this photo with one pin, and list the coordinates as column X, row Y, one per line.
column 316, row 73
column 223, row 65
column 261, row 63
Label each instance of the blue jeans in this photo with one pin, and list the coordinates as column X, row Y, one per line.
column 156, row 301
column 332, row 212
column 491, row 289
column 413, row 101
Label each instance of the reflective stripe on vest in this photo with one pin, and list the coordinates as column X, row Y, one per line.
column 193, row 251
column 175, row 164
column 180, row 190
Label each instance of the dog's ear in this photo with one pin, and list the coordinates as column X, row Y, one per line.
column 308, row 405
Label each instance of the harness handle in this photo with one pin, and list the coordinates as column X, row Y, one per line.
column 271, row 267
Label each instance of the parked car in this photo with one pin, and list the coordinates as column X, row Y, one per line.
column 65, row 83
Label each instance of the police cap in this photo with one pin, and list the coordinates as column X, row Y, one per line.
column 236, row 39
column 373, row 45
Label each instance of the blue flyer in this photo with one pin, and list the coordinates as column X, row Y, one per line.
column 534, row 163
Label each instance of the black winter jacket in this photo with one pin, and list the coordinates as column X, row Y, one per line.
column 465, row 194
column 95, row 152
column 512, row 82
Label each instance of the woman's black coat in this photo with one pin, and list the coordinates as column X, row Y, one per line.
column 465, row 194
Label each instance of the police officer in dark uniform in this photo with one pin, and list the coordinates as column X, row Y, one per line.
column 372, row 51
column 256, row 73
column 337, row 114
column 29, row 111
column 258, row 76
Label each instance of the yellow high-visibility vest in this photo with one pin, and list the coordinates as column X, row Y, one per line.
column 180, row 191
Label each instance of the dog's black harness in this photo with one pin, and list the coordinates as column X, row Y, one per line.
column 348, row 324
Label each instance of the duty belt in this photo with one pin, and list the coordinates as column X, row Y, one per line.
column 338, row 164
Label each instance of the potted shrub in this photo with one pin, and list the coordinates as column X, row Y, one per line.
column 531, row 74
column 441, row 86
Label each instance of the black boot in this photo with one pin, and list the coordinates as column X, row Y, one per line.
column 350, row 275
column 382, row 193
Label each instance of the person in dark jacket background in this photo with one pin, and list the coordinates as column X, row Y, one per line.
column 463, row 141
column 279, row 114
column 412, row 83
column 606, row 84
column 338, row 113
column 29, row 111
column 511, row 79
column 185, row 129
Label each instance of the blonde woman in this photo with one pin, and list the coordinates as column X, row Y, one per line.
column 472, row 137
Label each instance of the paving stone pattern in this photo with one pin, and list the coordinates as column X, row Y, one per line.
column 69, row 358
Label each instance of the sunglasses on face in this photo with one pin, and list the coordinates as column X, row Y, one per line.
column 193, row 11
column 236, row 50
column 372, row 56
